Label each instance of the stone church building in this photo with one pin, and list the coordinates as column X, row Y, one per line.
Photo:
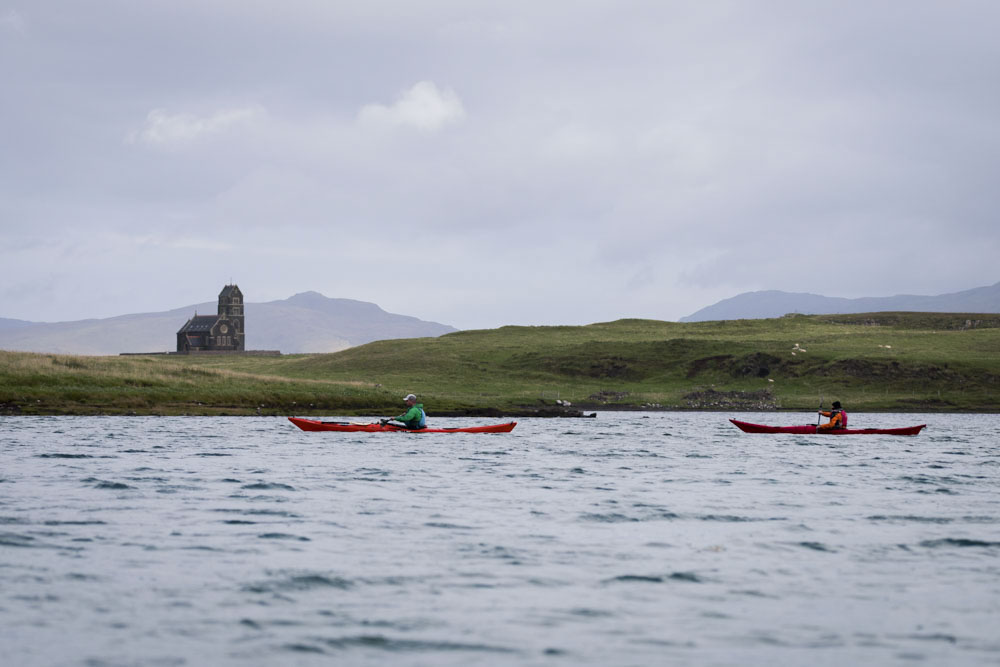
column 216, row 333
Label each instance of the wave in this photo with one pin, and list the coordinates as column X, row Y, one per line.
column 115, row 486
column 17, row 540
column 408, row 645
column 268, row 486
column 299, row 582
column 9, row 520
column 258, row 512
column 64, row 456
column 909, row 517
column 738, row 519
column 657, row 579
column 958, row 542
column 611, row 517
column 303, row 648
column 283, row 536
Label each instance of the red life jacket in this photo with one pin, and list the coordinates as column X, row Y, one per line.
column 843, row 419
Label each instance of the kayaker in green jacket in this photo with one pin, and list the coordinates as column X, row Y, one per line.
column 414, row 418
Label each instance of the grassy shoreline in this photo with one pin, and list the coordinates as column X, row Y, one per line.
column 885, row 362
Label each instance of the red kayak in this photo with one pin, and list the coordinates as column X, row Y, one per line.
column 355, row 427
column 810, row 429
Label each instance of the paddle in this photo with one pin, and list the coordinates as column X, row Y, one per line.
column 818, row 415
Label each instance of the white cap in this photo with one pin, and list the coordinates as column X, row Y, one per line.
column 410, row 397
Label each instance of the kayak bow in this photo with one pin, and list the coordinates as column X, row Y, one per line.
column 811, row 429
column 353, row 427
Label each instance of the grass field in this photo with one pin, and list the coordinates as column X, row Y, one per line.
column 871, row 362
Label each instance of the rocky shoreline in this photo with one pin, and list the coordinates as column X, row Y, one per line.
column 704, row 400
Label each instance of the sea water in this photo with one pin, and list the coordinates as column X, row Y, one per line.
column 630, row 539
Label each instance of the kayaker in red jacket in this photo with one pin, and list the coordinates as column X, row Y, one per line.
column 414, row 418
column 837, row 416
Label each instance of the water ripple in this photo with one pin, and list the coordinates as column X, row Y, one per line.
column 637, row 539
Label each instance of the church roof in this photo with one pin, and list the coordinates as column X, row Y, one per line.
column 230, row 290
column 199, row 323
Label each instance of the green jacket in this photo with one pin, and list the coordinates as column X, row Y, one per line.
column 415, row 417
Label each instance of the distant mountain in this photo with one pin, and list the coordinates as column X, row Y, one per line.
column 6, row 324
column 306, row 322
column 773, row 303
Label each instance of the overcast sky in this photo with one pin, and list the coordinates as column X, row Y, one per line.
column 490, row 163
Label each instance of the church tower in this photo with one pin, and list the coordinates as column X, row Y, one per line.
column 231, row 318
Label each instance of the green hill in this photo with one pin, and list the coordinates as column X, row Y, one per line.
column 875, row 361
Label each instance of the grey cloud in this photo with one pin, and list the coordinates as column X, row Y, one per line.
column 657, row 156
